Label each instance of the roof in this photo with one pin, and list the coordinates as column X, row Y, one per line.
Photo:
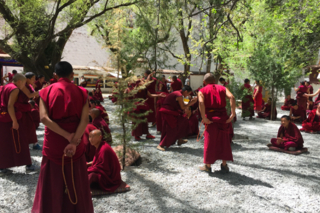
column 164, row 71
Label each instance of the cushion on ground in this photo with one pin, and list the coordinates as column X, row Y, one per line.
column 122, row 188
column 297, row 152
column 132, row 156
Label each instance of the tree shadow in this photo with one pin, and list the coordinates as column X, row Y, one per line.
column 187, row 150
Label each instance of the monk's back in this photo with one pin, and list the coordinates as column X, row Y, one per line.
column 171, row 103
column 214, row 96
column 5, row 94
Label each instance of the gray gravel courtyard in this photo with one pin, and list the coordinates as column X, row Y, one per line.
column 260, row 180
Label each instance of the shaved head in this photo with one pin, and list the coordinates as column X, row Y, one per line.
column 18, row 77
column 96, row 132
column 95, row 112
column 209, row 78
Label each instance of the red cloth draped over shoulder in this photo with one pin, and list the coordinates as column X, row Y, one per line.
column 299, row 112
column 312, row 123
column 106, row 166
column 64, row 102
column 176, row 85
column 247, row 103
column 218, row 134
column 292, row 134
column 90, row 150
column 100, row 123
column 258, row 99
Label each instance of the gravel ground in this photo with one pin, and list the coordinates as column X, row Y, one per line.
column 260, row 180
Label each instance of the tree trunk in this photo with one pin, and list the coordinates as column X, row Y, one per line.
column 209, row 61
column 272, row 115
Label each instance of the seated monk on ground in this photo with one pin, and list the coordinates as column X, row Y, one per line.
column 35, row 114
column 104, row 170
column 266, row 111
column 91, row 97
column 98, row 122
column 193, row 129
column 312, row 124
column 289, row 136
column 103, row 112
column 297, row 113
column 90, row 150
column 287, row 103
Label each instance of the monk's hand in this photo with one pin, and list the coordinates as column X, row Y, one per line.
column 69, row 137
column 206, row 121
column 15, row 125
column 162, row 95
column 230, row 119
column 70, row 150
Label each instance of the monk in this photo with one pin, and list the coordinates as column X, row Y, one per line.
column 266, row 111
column 297, row 113
column 289, row 136
column 98, row 122
column 90, row 150
column 158, row 114
column 257, row 96
column 97, row 92
column 301, row 90
column 28, row 129
column 84, row 82
column 193, row 122
column 176, row 84
column 104, row 170
column 151, row 87
column 103, row 112
column 287, row 103
column 9, row 76
column 14, row 149
column 317, row 100
column 65, row 123
column 223, row 82
column 162, row 85
column 39, row 83
column 310, row 89
column 35, row 114
column 217, row 136
column 174, row 125
column 312, row 123
column 54, row 78
column 247, row 101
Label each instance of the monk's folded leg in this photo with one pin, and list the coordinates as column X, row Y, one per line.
column 289, row 144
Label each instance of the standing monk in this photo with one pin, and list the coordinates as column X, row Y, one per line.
column 9, row 76
column 247, row 100
column 14, row 150
column 176, row 84
column 151, row 87
column 212, row 103
column 310, row 89
column 162, row 86
column 317, row 100
column 223, row 82
column 301, row 99
column 257, row 96
column 174, row 125
column 64, row 111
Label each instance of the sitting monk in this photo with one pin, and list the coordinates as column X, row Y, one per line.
column 91, row 97
column 193, row 129
column 98, row 122
column 297, row 113
column 35, row 114
column 90, row 150
column 266, row 111
column 312, row 124
column 103, row 112
column 287, row 103
column 104, row 170
column 289, row 136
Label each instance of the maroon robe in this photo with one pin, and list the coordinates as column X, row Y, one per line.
column 258, row 101
column 291, row 137
column 316, row 101
column 151, row 101
column 35, row 117
column 103, row 113
column 287, row 104
column 53, row 80
column 176, row 85
column 311, row 91
column 218, row 134
column 302, row 101
column 90, row 150
column 8, row 154
column 105, row 169
column 164, row 87
column 312, row 123
column 64, row 102
column 267, row 112
column 193, row 125
column 159, row 118
column 28, row 129
column 100, row 123
column 247, row 103
column 174, row 125
column 98, row 95
column 299, row 112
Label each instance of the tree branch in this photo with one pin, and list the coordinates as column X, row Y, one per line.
column 168, row 50
column 7, row 15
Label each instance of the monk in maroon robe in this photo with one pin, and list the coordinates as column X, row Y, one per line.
column 310, row 89
column 247, row 100
column 287, row 103
column 39, row 83
column 317, row 100
column 176, row 84
column 297, row 113
column 54, row 78
column 217, row 137
column 35, row 114
column 9, row 76
column 63, row 183
column 266, row 111
column 14, row 149
column 223, row 82
column 159, row 117
column 193, row 122
column 174, row 124
column 151, row 87
column 289, row 136
column 162, row 85
column 97, row 92
column 100, row 123
column 104, row 170
column 90, row 150
column 103, row 113
column 312, row 123
column 301, row 99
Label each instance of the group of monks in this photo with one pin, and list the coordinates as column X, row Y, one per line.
column 77, row 155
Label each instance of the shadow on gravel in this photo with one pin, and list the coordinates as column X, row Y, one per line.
column 187, row 150
column 236, row 179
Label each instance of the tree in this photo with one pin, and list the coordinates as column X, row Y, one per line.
column 38, row 30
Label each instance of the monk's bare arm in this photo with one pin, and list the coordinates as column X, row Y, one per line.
column 184, row 106
column 312, row 95
column 290, row 114
column 232, row 105
column 28, row 93
column 44, row 118
column 156, row 95
column 12, row 100
column 83, row 123
column 202, row 108
column 296, row 89
column 255, row 94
